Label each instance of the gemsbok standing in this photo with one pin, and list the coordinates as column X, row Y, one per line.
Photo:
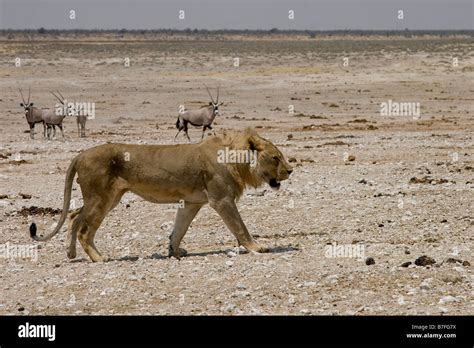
column 33, row 114
column 56, row 118
column 202, row 117
column 82, row 113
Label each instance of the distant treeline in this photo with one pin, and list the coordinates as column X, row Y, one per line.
column 246, row 32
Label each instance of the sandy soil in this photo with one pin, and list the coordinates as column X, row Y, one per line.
column 395, row 187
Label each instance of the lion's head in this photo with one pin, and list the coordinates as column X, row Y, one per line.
column 270, row 166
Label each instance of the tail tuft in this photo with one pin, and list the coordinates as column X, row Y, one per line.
column 33, row 230
column 177, row 123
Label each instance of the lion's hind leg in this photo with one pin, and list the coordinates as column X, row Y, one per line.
column 74, row 225
column 96, row 207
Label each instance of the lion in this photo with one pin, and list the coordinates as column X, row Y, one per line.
column 191, row 173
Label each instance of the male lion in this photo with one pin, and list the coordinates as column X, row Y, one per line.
column 168, row 174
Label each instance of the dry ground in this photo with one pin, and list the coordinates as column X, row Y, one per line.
column 371, row 201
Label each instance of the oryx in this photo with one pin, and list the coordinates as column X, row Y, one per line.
column 200, row 117
column 82, row 114
column 56, row 118
column 33, row 114
column 81, row 125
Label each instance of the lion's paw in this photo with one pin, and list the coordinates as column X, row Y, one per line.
column 176, row 253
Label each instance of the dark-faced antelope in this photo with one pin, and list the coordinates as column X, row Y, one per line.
column 33, row 114
column 202, row 117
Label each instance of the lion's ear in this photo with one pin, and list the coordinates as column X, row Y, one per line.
column 255, row 142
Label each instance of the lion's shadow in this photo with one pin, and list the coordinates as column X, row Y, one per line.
column 157, row 256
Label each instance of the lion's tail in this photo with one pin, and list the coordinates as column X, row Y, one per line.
column 71, row 172
column 177, row 122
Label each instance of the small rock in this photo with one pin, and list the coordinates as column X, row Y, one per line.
column 229, row 263
column 292, row 159
column 351, row 158
column 290, row 136
column 452, row 278
column 453, row 260
column 425, row 285
column 369, row 261
column 424, row 261
column 406, row 264
column 229, row 308
column 231, row 253
column 21, row 309
column 448, row 299
column 466, row 263
column 443, row 310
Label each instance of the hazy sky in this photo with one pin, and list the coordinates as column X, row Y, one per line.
column 237, row 14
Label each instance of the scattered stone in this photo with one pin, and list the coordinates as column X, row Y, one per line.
column 231, row 253
column 24, row 195
column 429, row 180
column 466, row 263
column 406, row 264
column 453, row 260
column 241, row 287
column 443, row 309
column 425, row 285
column 292, row 159
column 17, row 163
column 452, row 278
column 229, row 308
column 290, row 136
column 334, row 143
column 351, row 158
column 448, row 299
column 369, row 261
column 424, row 261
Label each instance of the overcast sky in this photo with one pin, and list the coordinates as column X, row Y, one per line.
column 237, row 14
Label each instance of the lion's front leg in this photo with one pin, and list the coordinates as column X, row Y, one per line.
column 227, row 210
column 184, row 217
